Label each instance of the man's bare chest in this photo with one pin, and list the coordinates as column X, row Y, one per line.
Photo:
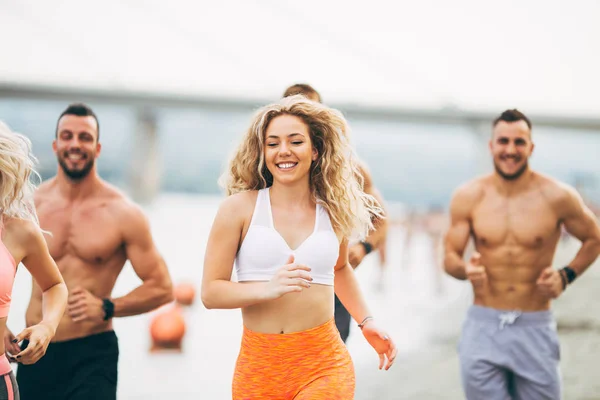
column 90, row 235
column 528, row 222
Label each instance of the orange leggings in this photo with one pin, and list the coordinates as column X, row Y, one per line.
column 312, row 364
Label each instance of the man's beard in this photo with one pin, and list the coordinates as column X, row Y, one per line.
column 76, row 175
column 511, row 177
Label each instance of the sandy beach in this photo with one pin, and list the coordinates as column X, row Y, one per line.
column 422, row 310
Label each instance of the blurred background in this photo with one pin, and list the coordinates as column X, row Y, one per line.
column 174, row 85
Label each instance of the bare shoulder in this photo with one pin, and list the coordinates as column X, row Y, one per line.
column 364, row 171
column 122, row 207
column 44, row 191
column 25, row 232
column 562, row 197
column 466, row 197
column 46, row 186
column 239, row 206
column 363, row 168
column 470, row 193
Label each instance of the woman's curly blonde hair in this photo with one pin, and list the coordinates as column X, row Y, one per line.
column 16, row 170
column 335, row 180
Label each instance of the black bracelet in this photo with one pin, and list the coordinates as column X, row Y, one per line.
column 368, row 246
column 570, row 274
column 563, row 278
column 109, row 309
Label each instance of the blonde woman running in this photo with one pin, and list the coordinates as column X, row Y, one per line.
column 294, row 200
column 23, row 241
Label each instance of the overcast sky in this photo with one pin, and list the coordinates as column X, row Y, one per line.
column 538, row 55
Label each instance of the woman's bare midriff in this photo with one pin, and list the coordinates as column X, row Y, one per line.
column 2, row 331
column 293, row 312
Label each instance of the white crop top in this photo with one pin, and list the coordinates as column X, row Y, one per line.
column 264, row 250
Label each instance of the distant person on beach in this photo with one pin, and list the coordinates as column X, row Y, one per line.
column 22, row 241
column 94, row 229
column 435, row 223
column 509, row 347
column 373, row 242
column 294, row 200
column 411, row 224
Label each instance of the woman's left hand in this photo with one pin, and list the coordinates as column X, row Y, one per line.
column 381, row 342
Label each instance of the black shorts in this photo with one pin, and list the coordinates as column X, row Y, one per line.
column 78, row 369
column 342, row 319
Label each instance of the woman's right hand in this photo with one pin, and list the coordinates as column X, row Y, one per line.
column 10, row 345
column 291, row 277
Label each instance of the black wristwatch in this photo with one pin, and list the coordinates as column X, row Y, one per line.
column 570, row 274
column 109, row 309
column 368, row 246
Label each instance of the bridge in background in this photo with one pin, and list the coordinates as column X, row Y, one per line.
column 145, row 180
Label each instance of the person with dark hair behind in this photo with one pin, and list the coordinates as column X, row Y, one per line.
column 304, row 89
column 95, row 230
column 79, row 110
column 509, row 346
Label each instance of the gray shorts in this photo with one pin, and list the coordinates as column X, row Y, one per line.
column 509, row 355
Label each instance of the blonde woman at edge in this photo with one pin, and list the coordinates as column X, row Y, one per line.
column 22, row 241
column 294, row 200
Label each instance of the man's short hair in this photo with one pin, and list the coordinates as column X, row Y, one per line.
column 80, row 110
column 303, row 89
column 513, row 115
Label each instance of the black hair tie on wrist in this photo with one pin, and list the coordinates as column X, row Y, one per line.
column 368, row 246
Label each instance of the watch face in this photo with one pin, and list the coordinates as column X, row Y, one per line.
column 109, row 308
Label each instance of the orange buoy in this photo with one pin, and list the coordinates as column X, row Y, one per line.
column 184, row 294
column 167, row 329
